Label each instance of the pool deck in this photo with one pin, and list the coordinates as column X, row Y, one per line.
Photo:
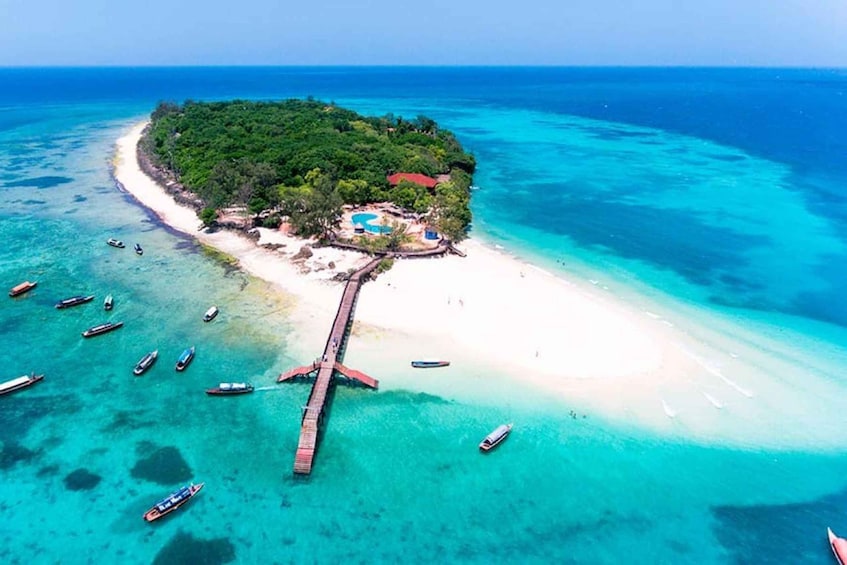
column 389, row 212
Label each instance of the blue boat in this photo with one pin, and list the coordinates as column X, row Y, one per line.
column 184, row 359
column 429, row 364
column 172, row 502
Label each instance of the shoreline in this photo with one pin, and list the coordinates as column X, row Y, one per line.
column 520, row 322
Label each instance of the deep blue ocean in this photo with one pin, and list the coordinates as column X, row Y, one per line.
column 717, row 191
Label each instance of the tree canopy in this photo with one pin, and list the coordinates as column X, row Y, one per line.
column 307, row 158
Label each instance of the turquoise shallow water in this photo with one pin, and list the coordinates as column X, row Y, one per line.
column 663, row 206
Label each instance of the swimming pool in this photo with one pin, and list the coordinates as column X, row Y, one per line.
column 365, row 218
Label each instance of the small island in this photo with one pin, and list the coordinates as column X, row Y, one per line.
column 315, row 170
column 489, row 307
column 386, row 186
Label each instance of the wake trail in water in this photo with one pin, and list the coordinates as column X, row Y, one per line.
column 730, row 382
column 669, row 412
column 715, row 402
column 716, row 372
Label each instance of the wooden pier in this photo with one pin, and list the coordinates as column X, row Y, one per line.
column 328, row 364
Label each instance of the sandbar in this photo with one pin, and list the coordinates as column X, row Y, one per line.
column 632, row 362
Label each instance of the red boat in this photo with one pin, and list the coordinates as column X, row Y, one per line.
column 25, row 286
column 172, row 502
column 839, row 547
column 19, row 383
column 230, row 388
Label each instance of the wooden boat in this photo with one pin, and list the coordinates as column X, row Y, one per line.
column 495, row 438
column 230, row 388
column 839, row 547
column 101, row 329
column 210, row 314
column 184, row 359
column 74, row 301
column 25, row 286
column 429, row 364
column 172, row 502
column 115, row 242
column 138, row 249
column 19, row 383
column 145, row 363
column 109, row 303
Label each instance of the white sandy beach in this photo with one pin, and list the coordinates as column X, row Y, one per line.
column 590, row 347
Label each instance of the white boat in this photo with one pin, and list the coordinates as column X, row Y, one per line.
column 115, row 242
column 496, row 437
column 145, row 363
column 231, row 388
column 19, row 383
column 210, row 314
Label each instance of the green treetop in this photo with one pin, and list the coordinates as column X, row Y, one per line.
column 306, row 158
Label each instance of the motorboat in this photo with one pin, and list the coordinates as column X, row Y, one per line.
column 74, row 301
column 172, row 502
column 230, row 388
column 429, row 364
column 109, row 303
column 19, row 383
column 185, row 358
column 839, row 547
column 145, row 363
column 495, row 438
column 138, row 249
column 115, row 242
column 101, row 329
column 25, row 286
column 210, row 314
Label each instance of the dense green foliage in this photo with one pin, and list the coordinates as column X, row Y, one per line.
column 306, row 158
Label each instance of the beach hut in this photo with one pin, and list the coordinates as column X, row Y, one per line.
column 430, row 233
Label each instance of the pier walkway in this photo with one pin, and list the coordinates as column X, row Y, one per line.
column 329, row 363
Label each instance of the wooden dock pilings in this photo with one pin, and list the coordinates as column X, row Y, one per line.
column 329, row 363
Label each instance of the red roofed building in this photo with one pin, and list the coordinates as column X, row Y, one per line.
column 416, row 178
